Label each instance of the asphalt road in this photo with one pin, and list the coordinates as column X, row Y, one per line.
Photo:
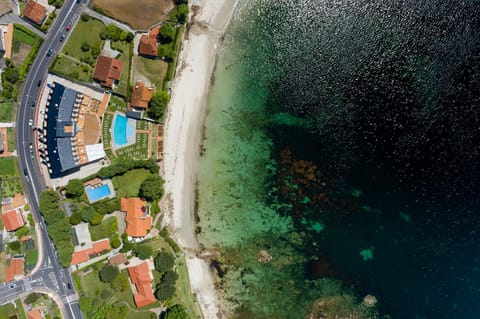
column 50, row 276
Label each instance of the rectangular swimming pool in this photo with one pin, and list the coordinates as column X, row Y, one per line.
column 97, row 193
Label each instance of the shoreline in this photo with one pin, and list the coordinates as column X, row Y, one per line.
column 183, row 137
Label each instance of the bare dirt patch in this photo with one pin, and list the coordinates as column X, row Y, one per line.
column 19, row 56
column 5, row 6
column 139, row 14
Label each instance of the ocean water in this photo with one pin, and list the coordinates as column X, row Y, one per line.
column 340, row 159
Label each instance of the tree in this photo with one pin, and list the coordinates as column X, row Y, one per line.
column 129, row 37
column 88, row 213
column 85, row 17
column 31, row 298
column 152, row 188
column 114, row 32
column 178, row 2
column 74, row 188
column 169, row 277
column 75, row 219
column 14, row 245
column 144, row 252
column 164, row 261
column 85, row 46
column 11, row 75
column 158, row 105
column 180, row 13
column 96, row 50
column 96, row 219
column 167, row 33
column 108, row 273
column 176, row 312
column 115, row 242
column 104, row 34
column 164, row 292
column 22, row 231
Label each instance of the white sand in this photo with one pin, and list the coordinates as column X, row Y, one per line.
column 183, row 136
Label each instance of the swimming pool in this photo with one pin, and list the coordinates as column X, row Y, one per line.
column 122, row 130
column 98, row 193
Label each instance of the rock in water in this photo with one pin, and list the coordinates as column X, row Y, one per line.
column 370, row 301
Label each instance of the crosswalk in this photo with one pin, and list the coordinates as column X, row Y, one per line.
column 27, row 284
column 71, row 298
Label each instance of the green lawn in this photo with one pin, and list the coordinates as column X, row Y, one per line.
column 154, row 69
column 7, row 166
column 20, row 36
column 11, row 138
column 21, row 311
column 106, row 229
column 106, row 127
column 6, row 111
column 126, row 58
column 138, row 151
column 84, row 32
column 128, row 184
column 10, row 186
column 184, row 294
column 103, row 296
column 8, row 311
column 32, row 258
column 117, row 104
column 70, row 68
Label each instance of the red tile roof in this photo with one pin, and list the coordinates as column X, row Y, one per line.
column 81, row 256
column 137, row 220
column 141, row 278
column 35, row 314
column 15, row 269
column 13, row 220
column 35, row 12
column 141, row 95
column 107, row 71
column 147, row 46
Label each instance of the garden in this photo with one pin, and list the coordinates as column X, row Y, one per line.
column 44, row 302
column 11, row 311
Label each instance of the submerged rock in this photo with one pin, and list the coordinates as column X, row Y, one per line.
column 264, row 257
column 370, row 301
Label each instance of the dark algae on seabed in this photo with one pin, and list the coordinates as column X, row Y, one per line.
column 340, row 160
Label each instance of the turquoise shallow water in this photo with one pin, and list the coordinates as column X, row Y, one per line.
column 339, row 160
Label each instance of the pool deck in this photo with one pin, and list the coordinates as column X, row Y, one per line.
column 130, row 139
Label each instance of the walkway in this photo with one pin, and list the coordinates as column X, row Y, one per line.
column 7, row 124
column 106, row 20
column 13, row 18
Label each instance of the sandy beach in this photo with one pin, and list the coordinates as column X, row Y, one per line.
column 183, row 136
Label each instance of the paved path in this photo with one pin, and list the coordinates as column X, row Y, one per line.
column 107, row 20
column 8, row 124
column 13, row 18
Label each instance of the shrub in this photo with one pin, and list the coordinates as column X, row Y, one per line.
column 144, row 252
column 31, row 298
column 85, row 46
column 167, row 33
column 176, row 312
column 115, row 242
column 74, row 188
column 87, row 214
column 96, row 219
column 158, row 105
column 85, row 17
column 30, row 220
column 152, row 188
column 108, row 273
column 22, row 231
column 75, row 219
column 14, row 245
column 180, row 13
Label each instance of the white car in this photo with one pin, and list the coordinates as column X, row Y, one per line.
column 30, row 122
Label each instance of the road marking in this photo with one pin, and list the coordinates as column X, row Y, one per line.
column 27, row 284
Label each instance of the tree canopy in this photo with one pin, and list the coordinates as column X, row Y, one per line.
column 108, row 273
column 167, row 33
column 176, row 312
column 180, row 13
column 74, row 188
column 144, row 252
column 158, row 105
column 164, row 261
column 152, row 188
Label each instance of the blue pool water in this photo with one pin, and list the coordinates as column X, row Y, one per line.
column 96, row 194
column 122, row 130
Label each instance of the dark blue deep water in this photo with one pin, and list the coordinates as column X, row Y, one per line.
column 373, row 112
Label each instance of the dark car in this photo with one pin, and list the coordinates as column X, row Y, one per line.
column 69, row 286
column 62, row 38
column 49, row 52
column 34, row 103
column 68, row 27
column 39, row 83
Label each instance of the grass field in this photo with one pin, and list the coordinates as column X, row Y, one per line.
column 11, row 138
column 138, row 151
column 25, row 46
column 21, row 311
column 139, row 17
column 125, row 57
column 70, row 68
column 106, row 134
column 117, row 104
column 3, row 262
column 32, row 258
column 128, row 184
column 6, row 111
column 8, row 311
column 7, row 166
column 84, row 32
column 106, row 229
column 154, row 69
column 103, row 296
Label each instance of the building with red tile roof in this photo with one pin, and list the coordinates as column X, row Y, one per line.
column 148, row 43
column 141, row 277
column 107, row 71
column 35, row 314
column 35, row 12
column 14, row 269
column 13, row 219
column 118, row 259
column 141, row 95
column 138, row 221
column 97, row 248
